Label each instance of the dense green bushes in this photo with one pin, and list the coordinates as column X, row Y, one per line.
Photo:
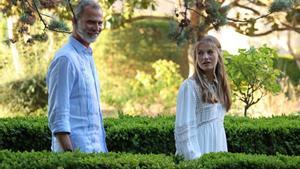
column 27, row 95
column 155, row 135
column 47, row 160
column 239, row 161
column 265, row 135
column 290, row 68
column 141, row 134
column 20, row 134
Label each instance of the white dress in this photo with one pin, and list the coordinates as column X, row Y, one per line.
column 199, row 126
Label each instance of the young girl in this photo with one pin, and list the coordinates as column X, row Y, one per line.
column 202, row 102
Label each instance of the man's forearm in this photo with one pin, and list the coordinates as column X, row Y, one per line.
column 64, row 141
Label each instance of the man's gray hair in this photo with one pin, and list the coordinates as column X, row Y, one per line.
column 82, row 4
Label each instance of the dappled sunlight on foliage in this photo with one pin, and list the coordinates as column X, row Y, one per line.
column 154, row 93
column 140, row 71
column 26, row 95
column 121, row 53
column 141, row 42
column 252, row 74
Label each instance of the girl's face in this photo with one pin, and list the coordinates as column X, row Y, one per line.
column 207, row 57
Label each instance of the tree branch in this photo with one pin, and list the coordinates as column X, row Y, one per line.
column 42, row 19
column 251, row 19
column 191, row 9
column 33, row 8
column 294, row 28
column 262, row 95
column 71, row 8
column 242, row 93
column 40, row 16
column 234, row 3
column 232, row 24
column 248, row 8
column 257, row 3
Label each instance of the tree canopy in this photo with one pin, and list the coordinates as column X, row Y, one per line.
column 251, row 18
column 198, row 16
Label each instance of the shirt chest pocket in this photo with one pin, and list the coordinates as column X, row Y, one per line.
column 90, row 91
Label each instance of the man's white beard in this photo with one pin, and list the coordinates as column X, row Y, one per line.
column 85, row 36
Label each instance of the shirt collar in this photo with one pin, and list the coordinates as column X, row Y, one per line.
column 79, row 47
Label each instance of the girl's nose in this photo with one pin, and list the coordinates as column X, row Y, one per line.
column 205, row 55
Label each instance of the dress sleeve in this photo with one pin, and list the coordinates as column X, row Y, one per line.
column 186, row 141
column 60, row 80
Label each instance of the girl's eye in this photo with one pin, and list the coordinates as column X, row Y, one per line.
column 200, row 53
column 210, row 51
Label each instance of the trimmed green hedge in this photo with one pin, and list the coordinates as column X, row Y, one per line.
column 48, row 160
column 155, row 135
column 264, row 136
column 241, row 161
column 25, row 133
column 141, row 134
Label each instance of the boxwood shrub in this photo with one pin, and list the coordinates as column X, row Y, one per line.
column 155, row 135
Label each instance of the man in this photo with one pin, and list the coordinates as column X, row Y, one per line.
column 74, row 114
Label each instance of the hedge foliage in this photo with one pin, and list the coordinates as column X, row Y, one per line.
column 48, row 160
column 155, row 135
column 239, row 161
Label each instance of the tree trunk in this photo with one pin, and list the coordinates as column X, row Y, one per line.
column 15, row 54
column 195, row 20
column 196, row 34
column 190, row 59
column 245, row 110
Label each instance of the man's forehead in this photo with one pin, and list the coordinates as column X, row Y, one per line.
column 93, row 9
column 91, row 12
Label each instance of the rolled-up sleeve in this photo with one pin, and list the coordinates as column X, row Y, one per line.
column 60, row 79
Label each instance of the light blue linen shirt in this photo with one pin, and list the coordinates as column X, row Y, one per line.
column 73, row 101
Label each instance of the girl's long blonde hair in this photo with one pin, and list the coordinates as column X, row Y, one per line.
column 222, row 93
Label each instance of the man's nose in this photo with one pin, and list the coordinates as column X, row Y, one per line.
column 99, row 27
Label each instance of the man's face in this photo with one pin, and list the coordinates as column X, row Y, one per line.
column 89, row 25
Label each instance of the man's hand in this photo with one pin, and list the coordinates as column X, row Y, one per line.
column 64, row 141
